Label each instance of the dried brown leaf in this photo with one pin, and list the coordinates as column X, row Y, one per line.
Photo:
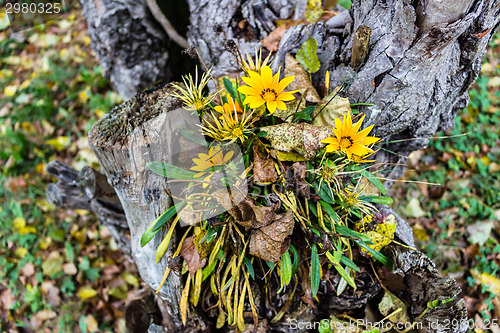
column 269, row 242
column 330, row 107
column 191, row 255
column 264, row 172
column 249, row 215
column 272, row 41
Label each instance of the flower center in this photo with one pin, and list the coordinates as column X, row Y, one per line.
column 346, row 142
column 237, row 132
column 269, row 95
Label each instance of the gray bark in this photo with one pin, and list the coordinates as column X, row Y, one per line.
column 124, row 140
column 131, row 46
column 89, row 190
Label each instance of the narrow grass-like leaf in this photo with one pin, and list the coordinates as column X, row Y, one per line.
column 377, row 255
column 169, row 170
column 329, row 210
column 191, row 135
column 229, row 87
column 249, row 267
column 286, row 266
column 323, row 192
column 162, row 248
column 377, row 199
column 374, row 180
column 296, row 259
column 351, row 233
column 315, row 270
column 349, row 263
column 153, row 229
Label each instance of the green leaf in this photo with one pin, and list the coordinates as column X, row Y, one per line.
column 329, row 210
column 351, row 233
column 286, row 266
column 349, row 263
column 296, row 260
column 207, row 270
column 307, row 55
column 261, row 134
column 312, row 208
column 374, row 180
column 194, row 136
column 249, row 267
column 153, row 229
column 270, row 264
column 376, row 199
column 324, row 192
column 315, row 270
column 377, row 255
column 229, row 87
column 347, row 277
column 335, row 260
column 304, row 114
column 169, row 170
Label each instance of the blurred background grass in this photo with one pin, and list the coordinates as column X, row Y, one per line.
column 61, row 271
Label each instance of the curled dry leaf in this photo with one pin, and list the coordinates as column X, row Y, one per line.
column 303, row 84
column 191, row 255
column 302, row 138
column 295, row 178
column 326, row 112
column 269, row 242
column 249, row 215
column 272, row 41
column 264, row 172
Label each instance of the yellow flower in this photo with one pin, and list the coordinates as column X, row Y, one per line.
column 256, row 66
column 192, row 94
column 205, row 164
column 231, row 125
column 266, row 88
column 229, row 107
column 362, row 159
column 347, row 138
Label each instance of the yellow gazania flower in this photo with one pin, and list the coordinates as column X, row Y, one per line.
column 205, row 163
column 252, row 66
column 347, row 138
column 362, row 159
column 233, row 123
column 229, row 107
column 192, row 95
column 266, row 88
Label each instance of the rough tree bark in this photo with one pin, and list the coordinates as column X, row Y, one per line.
column 422, row 59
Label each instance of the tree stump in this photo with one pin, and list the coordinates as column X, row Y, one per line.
column 422, row 58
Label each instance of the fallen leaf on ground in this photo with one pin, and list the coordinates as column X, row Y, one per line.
column 389, row 304
column 479, row 232
column 86, row 292
column 272, row 41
